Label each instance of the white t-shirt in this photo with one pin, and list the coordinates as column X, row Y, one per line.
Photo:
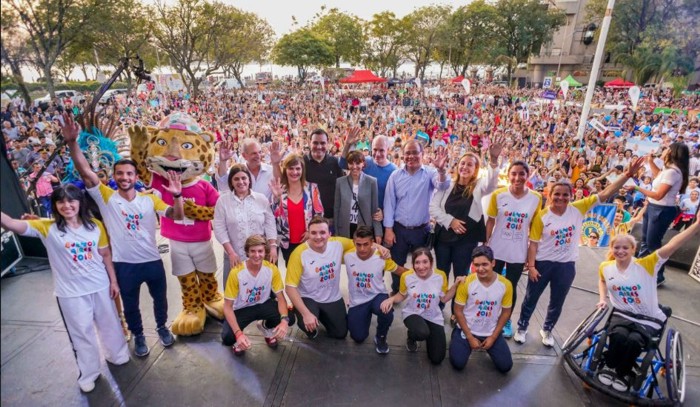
column 483, row 305
column 671, row 176
column 317, row 275
column 354, row 207
column 76, row 263
column 558, row 236
column 131, row 224
column 513, row 219
column 245, row 290
column 366, row 277
column 423, row 295
column 634, row 290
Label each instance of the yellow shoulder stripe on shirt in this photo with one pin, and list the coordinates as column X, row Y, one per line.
column 41, row 225
column 649, row 262
column 104, row 237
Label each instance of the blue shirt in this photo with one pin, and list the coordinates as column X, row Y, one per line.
column 380, row 173
column 407, row 196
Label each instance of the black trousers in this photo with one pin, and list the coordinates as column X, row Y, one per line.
column 433, row 334
column 627, row 340
column 513, row 273
column 332, row 316
column 267, row 312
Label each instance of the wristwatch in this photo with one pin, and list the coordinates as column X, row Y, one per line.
column 285, row 318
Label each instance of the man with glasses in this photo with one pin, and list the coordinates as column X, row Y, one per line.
column 406, row 202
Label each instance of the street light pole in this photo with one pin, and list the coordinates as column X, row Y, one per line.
column 594, row 70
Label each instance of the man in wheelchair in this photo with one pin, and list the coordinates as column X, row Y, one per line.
column 636, row 321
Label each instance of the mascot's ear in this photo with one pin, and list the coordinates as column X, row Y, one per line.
column 152, row 130
column 208, row 137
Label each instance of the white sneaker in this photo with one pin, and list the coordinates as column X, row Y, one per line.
column 547, row 338
column 87, row 387
column 267, row 333
column 520, row 336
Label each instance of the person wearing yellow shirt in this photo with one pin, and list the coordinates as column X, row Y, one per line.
column 247, row 299
column 630, row 285
column 553, row 251
column 483, row 304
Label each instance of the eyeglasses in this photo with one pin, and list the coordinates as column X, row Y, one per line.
column 593, row 237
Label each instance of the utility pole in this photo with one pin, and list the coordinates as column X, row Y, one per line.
column 595, row 69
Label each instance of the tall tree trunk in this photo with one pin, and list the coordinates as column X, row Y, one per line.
column 83, row 69
column 337, row 61
column 49, row 81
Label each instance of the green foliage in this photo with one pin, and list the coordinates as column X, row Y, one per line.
column 423, row 28
column 88, row 86
column 385, row 49
column 343, row 32
column 303, row 49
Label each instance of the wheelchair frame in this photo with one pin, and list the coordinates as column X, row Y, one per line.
column 646, row 389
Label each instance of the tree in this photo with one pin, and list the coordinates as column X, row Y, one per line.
column 124, row 33
column 52, row 25
column 303, row 49
column 249, row 40
column 467, row 37
column 343, row 32
column 190, row 32
column 385, row 48
column 14, row 52
column 523, row 26
column 424, row 26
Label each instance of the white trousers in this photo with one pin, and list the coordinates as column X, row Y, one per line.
column 82, row 315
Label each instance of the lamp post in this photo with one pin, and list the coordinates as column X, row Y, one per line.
column 594, row 70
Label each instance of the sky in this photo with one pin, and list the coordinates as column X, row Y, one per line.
column 279, row 12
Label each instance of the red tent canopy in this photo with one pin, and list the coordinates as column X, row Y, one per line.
column 618, row 83
column 459, row 79
column 362, row 76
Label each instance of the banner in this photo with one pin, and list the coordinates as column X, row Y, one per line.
column 598, row 220
column 642, row 147
column 668, row 110
column 549, row 94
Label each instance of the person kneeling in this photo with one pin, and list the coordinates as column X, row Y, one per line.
column 247, row 299
column 425, row 288
column 483, row 304
column 366, row 289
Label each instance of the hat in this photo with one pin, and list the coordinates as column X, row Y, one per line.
column 50, row 142
column 33, row 140
column 552, row 179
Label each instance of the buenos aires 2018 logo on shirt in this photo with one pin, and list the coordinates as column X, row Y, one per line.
column 132, row 221
column 326, row 272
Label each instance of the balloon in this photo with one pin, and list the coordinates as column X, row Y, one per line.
column 607, row 118
column 646, row 129
column 618, row 133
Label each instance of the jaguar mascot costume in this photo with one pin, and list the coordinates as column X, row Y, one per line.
column 179, row 144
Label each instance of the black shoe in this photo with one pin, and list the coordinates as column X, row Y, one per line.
column 380, row 345
column 660, row 282
column 313, row 334
column 411, row 345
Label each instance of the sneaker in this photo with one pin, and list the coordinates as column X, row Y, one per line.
column 411, row 345
column 140, row 347
column 166, row 337
column 508, row 330
column 267, row 332
column 620, row 384
column 380, row 345
column 313, row 334
column 87, row 387
column 606, row 376
column 520, row 336
column 547, row 338
column 661, row 282
column 237, row 351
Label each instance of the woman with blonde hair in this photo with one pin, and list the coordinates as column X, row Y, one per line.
column 459, row 213
column 294, row 203
column 630, row 284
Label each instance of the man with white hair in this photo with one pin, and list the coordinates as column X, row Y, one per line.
column 252, row 153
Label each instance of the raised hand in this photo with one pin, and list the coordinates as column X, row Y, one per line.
column 496, row 147
column 635, row 166
column 225, row 150
column 440, row 158
column 69, row 129
column 276, row 188
column 174, row 183
column 353, row 135
column 276, row 152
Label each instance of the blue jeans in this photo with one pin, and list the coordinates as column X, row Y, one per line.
column 360, row 317
column 657, row 219
column 407, row 240
column 130, row 276
column 460, row 350
column 561, row 276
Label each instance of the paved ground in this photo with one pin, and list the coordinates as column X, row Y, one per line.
column 38, row 367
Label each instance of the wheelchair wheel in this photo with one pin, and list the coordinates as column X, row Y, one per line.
column 584, row 330
column 675, row 367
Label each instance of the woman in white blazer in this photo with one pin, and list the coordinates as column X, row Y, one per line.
column 459, row 214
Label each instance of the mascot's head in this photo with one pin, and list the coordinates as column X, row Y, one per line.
column 179, row 144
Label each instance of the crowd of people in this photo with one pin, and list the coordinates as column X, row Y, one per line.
column 483, row 186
